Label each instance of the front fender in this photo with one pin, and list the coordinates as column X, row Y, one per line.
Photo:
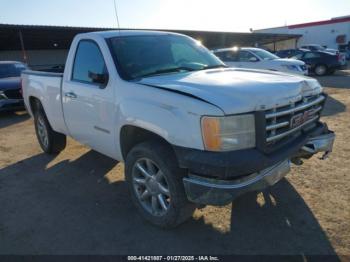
column 176, row 123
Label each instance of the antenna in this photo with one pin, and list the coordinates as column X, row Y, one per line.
column 116, row 14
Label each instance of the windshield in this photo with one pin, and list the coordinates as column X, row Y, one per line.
column 11, row 70
column 264, row 55
column 143, row 56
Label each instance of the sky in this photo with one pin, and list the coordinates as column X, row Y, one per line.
column 209, row 15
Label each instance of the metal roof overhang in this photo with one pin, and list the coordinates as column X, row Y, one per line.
column 37, row 37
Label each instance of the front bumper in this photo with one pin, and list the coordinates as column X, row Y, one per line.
column 221, row 192
column 210, row 191
column 236, row 164
column 11, row 104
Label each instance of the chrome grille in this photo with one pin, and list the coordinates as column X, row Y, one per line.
column 285, row 121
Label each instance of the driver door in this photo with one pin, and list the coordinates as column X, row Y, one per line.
column 88, row 99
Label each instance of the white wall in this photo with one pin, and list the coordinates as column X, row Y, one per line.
column 37, row 57
column 321, row 34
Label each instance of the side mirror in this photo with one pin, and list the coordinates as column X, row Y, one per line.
column 98, row 78
column 253, row 59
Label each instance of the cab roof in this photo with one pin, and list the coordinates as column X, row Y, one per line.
column 116, row 33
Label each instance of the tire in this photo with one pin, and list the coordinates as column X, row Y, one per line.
column 321, row 70
column 50, row 141
column 159, row 161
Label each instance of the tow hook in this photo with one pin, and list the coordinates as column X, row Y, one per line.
column 310, row 148
column 322, row 143
column 325, row 155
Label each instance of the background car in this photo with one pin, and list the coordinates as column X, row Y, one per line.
column 249, row 57
column 10, row 85
column 341, row 55
column 319, row 62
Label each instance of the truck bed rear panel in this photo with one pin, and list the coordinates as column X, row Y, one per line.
column 45, row 86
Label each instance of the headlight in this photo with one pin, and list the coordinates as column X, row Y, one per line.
column 292, row 67
column 228, row 133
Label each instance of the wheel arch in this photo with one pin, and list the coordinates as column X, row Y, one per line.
column 34, row 104
column 131, row 135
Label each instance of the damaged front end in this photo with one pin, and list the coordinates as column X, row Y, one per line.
column 319, row 144
column 211, row 191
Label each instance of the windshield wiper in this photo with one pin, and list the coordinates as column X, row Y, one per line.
column 213, row 66
column 168, row 70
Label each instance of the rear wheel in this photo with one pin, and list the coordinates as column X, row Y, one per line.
column 155, row 183
column 321, row 70
column 50, row 141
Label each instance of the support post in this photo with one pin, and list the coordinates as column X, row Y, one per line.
column 25, row 58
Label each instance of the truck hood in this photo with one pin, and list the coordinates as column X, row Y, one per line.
column 237, row 90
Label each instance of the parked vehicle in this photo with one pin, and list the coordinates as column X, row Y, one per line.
column 190, row 130
column 259, row 59
column 321, row 63
column 10, row 86
column 340, row 55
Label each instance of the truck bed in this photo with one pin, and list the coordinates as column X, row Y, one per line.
column 47, row 87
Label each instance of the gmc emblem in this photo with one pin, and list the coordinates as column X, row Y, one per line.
column 301, row 118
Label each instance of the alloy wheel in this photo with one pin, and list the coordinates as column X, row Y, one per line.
column 42, row 131
column 151, row 187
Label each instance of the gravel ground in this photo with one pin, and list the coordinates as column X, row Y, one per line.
column 77, row 202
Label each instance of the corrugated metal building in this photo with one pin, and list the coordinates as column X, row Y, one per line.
column 47, row 46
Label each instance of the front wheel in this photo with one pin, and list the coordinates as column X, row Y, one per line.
column 50, row 141
column 155, row 184
column 321, row 70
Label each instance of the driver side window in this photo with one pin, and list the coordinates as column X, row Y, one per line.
column 227, row 56
column 88, row 59
column 310, row 55
column 245, row 56
column 298, row 55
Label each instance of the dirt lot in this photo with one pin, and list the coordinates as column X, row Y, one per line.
column 77, row 202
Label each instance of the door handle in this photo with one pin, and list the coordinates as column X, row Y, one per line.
column 70, row 95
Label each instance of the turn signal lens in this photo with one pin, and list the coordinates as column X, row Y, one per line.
column 228, row 133
column 211, row 133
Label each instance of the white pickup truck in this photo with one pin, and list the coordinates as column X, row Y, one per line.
column 191, row 131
